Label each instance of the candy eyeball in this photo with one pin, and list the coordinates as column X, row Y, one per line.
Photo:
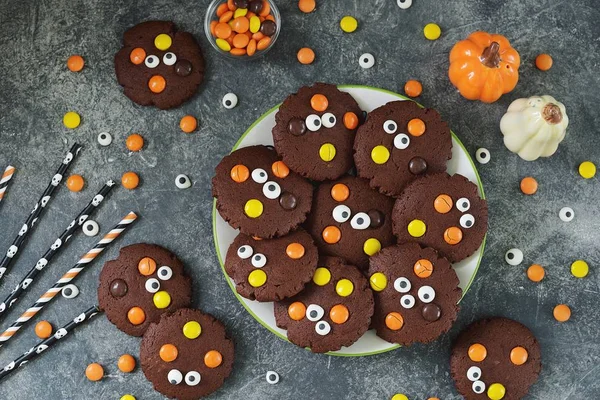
column 192, row 378
column 272, row 377
column 482, row 156
column 175, row 377
column 151, row 61
column 401, row 141
column 313, row 122
column 164, row 273
column 360, row 221
column 259, row 260
column 478, row 387
column 407, row 301
column 390, row 126
column 566, row 214
column 90, row 228
column 314, row 312
column 366, row 61
column 402, row 285
column 467, row 221
column 341, row 213
column 169, row 58
column 70, row 291
column 404, row 4
column 104, row 139
column 271, row 190
column 474, row 373
column 514, row 257
column 463, row 204
column 259, row 175
column 426, row 294
column 323, row 328
column 182, row 181
column 152, row 285
column 230, row 100
column 244, row 252
column 328, row 120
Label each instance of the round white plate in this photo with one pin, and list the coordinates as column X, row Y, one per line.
column 368, row 98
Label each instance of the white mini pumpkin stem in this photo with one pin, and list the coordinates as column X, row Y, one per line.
column 552, row 114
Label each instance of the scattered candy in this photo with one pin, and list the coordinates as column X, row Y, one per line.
column 188, row 124
column 75, row 183
column 43, row 329
column 536, row 273
column 587, row 169
column 134, row 142
column 307, row 6
column 566, row 214
column 529, row 185
column 543, row 62
column 580, row 269
column 192, row 330
column 413, row 88
column 90, row 228
column 126, row 363
column 482, row 155
column 128, row 397
column 71, row 120
column 130, row 180
column 562, row 313
column 75, row 63
column 230, row 100
column 399, row 396
column 94, row 372
column 366, row 60
column 306, row 55
column 182, row 181
column 432, row 31
column 104, row 139
column 514, row 257
column 404, row 4
column 272, row 377
column 70, row 291
column 348, row 24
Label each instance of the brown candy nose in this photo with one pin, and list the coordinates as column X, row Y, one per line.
column 417, row 166
column 431, row 312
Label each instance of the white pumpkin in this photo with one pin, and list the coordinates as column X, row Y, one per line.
column 534, row 127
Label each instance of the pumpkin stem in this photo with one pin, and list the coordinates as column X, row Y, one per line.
column 552, row 114
column 491, row 56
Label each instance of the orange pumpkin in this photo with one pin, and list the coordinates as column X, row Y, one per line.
column 484, row 67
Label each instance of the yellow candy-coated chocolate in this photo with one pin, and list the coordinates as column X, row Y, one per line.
column 240, row 12
column 253, row 208
column 163, row 41
column 496, row 391
column 322, row 276
column 380, row 154
column 327, row 152
column 378, row 281
column 254, row 24
column 344, row 287
column 371, row 246
column 257, row 278
column 432, row 31
column 161, row 299
column 416, row 228
column 587, row 170
column 127, row 397
column 348, row 24
column 192, row 330
column 223, row 44
column 71, row 120
column 399, row 396
column 580, row 269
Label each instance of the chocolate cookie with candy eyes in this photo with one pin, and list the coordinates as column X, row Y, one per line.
column 495, row 358
column 399, row 142
column 416, row 294
column 334, row 310
column 315, row 129
column 258, row 194
column 444, row 212
column 271, row 269
column 144, row 282
column 350, row 220
column 159, row 65
column 187, row 355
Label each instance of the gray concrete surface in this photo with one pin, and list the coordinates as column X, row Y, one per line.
column 36, row 37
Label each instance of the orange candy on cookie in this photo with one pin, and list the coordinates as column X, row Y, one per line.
column 297, row 311
column 295, row 251
column 340, row 192
column 319, row 102
column 394, row 321
column 477, row 352
column 350, row 120
column 443, row 204
column 423, row 268
column 147, row 266
column 339, row 314
column 157, row 84
column 453, row 235
column 279, row 169
column 137, row 56
column 212, row 359
column 136, row 315
column 416, row 127
column 239, row 173
column 168, row 352
column 332, row 234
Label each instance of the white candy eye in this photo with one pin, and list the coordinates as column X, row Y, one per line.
column 169, row 58
column 426, row 294
column 366, row 60
column 322, row 328
column 245, row 252
column 259, row 175
column 230, row 100
column 360, row 221
column 152, row 285
column 404, row 4
column 390, row 126
column 482, row 156
column 151, row 61
column 90, row 228
column 259, row 260
column 70, row 291
column 474, row 373
column 182, row 181
column 467, row 221
column 478, row 387
column 402, row 285
column 514, row 257
column 175, row 377
column 313, row 122
column 328, row 120
column 407, row 301
column 104, row 138
column 341, row 213
column 271, row 190
column 314, row 312
column 192, row 378
column 566, row 214
column 272, row 377
column 463, row 204
column 401, row 141
column 164, row 273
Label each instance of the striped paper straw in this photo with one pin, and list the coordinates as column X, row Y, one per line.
column 42, row 346
column 6, row 177
column 38, row 209
column 67, row 278
column 55, row 248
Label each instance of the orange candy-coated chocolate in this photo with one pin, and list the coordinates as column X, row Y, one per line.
column 188, row 124
column 263, row 43
column 147, row 266
column 307, row 6
column 240, row 41
column 226, row 17
column 126, row 363
column 251, row 49
column 529, row 185
column 75, row 63
column 222, row 9
column 477, row 352
column 137, row 56
column 134, row 142
column 339, row 314
column 535, row 273
column 157, row 84
column 168, row 352
column 319, row 102
column 543, row 62
column 332, row 234
column 43, row 329
column 443, row 204
column 413, row 88
column 94, row 372
column 239, row 173
column 266, row 9
column 222, row 30
column 394, row 321
column 240, row 24
column 212, row 359
column 562, row 313
column 306, row 55
column 130, row 180
column 518, row 355
column 416, row 127
column 279, row 169
column 340, row 192
column 350, row 120
column 453, row 235
column 75, row 183
column 297, row 311
column 423, row 268
column 136, row 315
column 295, row 251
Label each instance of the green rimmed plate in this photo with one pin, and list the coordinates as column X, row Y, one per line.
column 259, row 132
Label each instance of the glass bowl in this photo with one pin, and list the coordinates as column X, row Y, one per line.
column 211, row 15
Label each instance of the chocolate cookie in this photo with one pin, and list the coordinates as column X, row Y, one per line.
column 334, row 310
column 416, row 294
column 257, row 193
column 350, row 220
column 399, row 142
column 187, row 355
column 144, row 282
column 444, row 212
column 271, row 269
column 495, row 358
column 159, row 65
column 314, row 131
